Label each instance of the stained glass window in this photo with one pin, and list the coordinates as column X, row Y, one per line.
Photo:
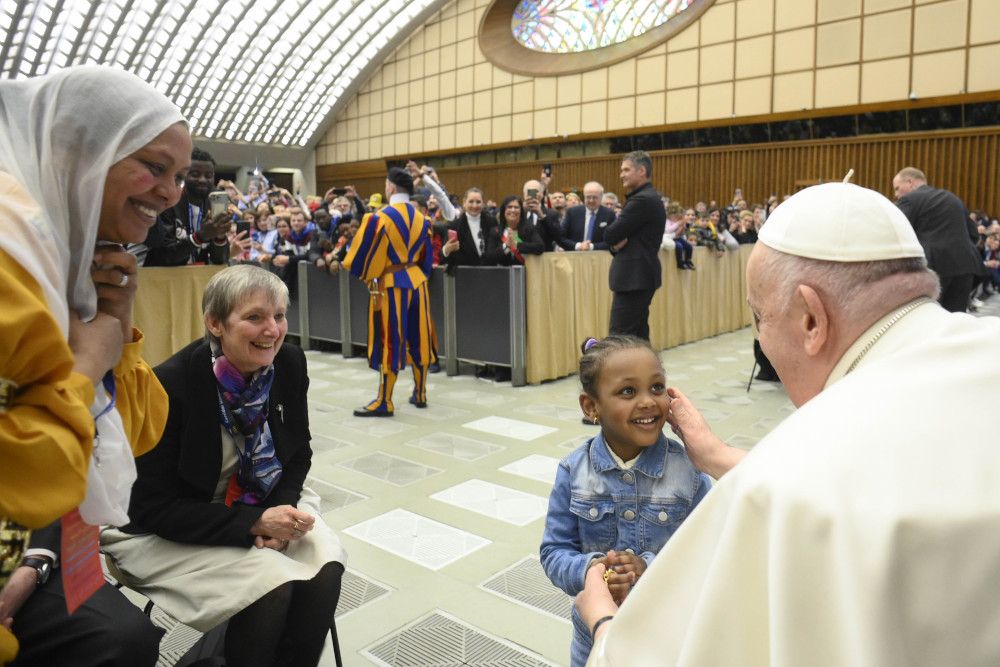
column 575, row 26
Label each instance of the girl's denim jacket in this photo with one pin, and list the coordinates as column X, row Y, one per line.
column 595, row 506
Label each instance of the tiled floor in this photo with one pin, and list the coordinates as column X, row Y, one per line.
column 442, row 510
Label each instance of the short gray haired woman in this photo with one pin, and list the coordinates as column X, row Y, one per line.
column 222, row 524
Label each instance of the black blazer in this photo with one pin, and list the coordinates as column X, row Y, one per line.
column 939, row 220
column 49, row 537
column 173, row 495
column 467, row 253
column 637, row 265
column 548, row 226
column 574, row 227
column 531, row 244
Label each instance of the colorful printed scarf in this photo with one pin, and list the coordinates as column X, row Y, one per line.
column 243, row 411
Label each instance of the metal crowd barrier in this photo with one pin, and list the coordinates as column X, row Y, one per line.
column 479, row 315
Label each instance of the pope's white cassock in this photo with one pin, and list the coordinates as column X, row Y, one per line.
column 864, row 530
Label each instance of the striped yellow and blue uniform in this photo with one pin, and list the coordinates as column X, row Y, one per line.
column 393, row 246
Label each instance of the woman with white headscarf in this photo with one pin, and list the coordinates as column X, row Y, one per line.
column 89, row 156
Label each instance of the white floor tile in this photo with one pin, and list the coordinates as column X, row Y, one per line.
column 495, row 501
column 378, row 427
column 742, row 441
column 701, row 395
column 389, row 468
column 510, row 428
column 536, row 466
column 321, row 442
column 456, row 446
column 737, row 400
column 417, row 538
column 474, row 397
column 567, row 413
column 715, row 416
column 573, row 443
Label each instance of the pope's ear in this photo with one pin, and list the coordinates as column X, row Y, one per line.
column 814, row 320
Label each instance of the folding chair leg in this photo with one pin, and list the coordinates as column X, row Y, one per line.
column 336, row 643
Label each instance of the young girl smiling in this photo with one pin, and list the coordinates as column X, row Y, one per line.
column 621, row 495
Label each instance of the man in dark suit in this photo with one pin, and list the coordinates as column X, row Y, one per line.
column 943, row 228
column 634, row 238
column 545, row 220
column 584, row 225
column 107, row 629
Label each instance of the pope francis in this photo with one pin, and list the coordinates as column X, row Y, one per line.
column 865, row 529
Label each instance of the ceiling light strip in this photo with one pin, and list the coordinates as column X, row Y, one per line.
column 11, row 61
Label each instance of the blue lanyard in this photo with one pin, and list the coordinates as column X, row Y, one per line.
column 112, row 389
column 201, row 216
column 110, row 386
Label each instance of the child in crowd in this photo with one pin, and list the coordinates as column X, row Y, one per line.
column 708, row 236
column 991, row 259
column 621, row 495
column 673, row 237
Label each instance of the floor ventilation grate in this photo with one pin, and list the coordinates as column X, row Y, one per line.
column 356, row 591
column 525, row 583
column 441, row 640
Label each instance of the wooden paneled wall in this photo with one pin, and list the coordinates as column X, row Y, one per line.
column 966, row 162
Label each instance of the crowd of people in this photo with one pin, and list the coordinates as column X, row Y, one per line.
column 317, row 228
column 272, row 227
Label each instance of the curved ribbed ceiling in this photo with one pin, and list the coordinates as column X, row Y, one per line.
column 255, row 71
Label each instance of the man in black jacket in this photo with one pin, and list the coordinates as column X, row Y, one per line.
column 946, row 233
column 634, row 238
column 545, row 220
column 186, row 233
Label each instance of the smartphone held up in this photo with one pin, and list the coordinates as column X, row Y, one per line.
column 218, row 202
